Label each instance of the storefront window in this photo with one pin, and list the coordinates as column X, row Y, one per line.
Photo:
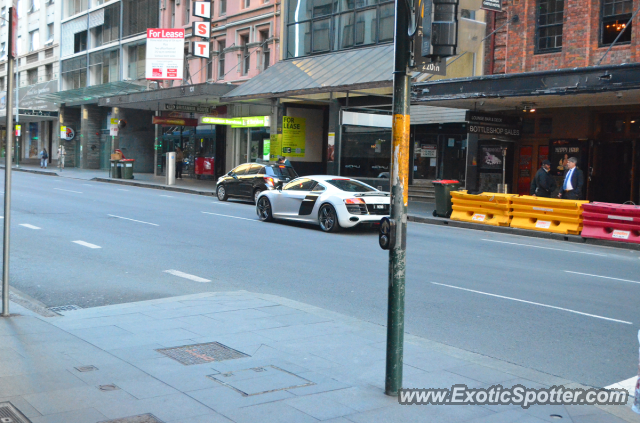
column 32, row 147
column 366, row 152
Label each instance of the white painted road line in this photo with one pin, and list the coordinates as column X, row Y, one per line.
column 68, row 190
column 545, row 248
column 629, row 385
column 26, row 225
column 168, row 196
column 534, row 303
column 603, row 277
column 120, row 189
column 233, row 217
column 220, row 203
column 133, row 220
column 86, row 244
column 187, row 276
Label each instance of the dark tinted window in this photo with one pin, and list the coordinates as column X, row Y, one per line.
column 301, row 184
column 241, row 170
column 281, row 171
column 349, row 185
column 255, row 168
column 319, row 188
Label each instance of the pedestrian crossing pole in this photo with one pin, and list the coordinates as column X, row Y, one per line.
column 399, row 173
column 7, row 168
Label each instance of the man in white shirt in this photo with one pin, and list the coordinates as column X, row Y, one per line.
column 573, row 181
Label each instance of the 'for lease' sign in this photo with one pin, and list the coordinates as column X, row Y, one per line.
column 165, row 53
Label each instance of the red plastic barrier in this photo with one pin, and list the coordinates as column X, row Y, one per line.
column 615, row 222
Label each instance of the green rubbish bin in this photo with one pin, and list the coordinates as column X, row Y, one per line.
column 443, row 189
column 115, row 170
column 127, row 168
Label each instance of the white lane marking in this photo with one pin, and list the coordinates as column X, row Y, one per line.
column 86, row 244
column 545, row 248
column 187, row 276
column 26, row 225
column 234, row 217
column 68, row 190
column 603, row 277
column 168, row 196
column 133, row 220
column 628, row 384
column 221, row 203
column 120, row 189
column 87, row 185
column 534, row 303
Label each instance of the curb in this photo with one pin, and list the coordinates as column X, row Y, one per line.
column 152, row 186
column 39, row 172
column 523, row 232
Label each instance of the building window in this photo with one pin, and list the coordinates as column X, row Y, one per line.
column 266, row 53
column 223, row 7
column 34, row 40
column 247, row 3
column 209, row 70
column 615, row 16
column 80, row 42
column 50, row 34
column 109, row 31
column 187, row 13
column 550, row 21
column 74, row 73
column 48, row 72
column 2, row 83
column 221, row 46
column 75, row 7
column 246, row 57
column 138, row 15
column 32, row 76
column 103, row 67
column 34, row 6
column 317, row 26
column 3, row 16
column 136, row 56
column 3, row 51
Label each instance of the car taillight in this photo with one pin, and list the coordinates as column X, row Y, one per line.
column 269, row 181
column 354, row 201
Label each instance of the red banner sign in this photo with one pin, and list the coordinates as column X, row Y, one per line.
column 174, row 121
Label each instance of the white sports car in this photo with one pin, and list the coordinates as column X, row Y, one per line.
column 332, row 202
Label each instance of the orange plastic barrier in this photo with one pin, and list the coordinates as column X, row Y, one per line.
column 486, row 208
column 547, row 214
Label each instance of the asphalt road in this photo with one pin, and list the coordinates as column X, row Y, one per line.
column 509, row 297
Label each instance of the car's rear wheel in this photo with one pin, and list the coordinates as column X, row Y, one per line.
column 263, row 208
column 221, row 192
column 328, row 219
column 256, row 193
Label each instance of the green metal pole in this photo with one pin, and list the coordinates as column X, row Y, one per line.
column 399, row 200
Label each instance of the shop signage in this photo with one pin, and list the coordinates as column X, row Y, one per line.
column 266, row 149
column 491, row 158
column 495, row 5
column 293, row 136
column 201, row 29
column 201, row 48
column 238, row 122
column 67, row 133
column 497, row 126
column 562, row 150
column 113, row 127
column 174, row 121
column 428, row 150
column 43, row 113
column 275, row 144
column 187, row 108
column 165, row 53
column 202, row 9
column 18, row 130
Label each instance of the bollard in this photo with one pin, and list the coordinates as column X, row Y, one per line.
column 171, row 168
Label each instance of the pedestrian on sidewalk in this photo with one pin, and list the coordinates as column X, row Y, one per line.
column 179, row 161
column 543, row 184
column 284, row 161
column 573, row 181
column 62, row 153
column 44, row 158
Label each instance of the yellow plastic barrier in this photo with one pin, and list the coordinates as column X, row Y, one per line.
column 486, row 208
column 547, row 215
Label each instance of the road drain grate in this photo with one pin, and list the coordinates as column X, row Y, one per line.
column 143, row 418
column 202, row 353
column 62, row 309
column 10, row 414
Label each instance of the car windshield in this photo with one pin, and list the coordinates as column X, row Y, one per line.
column 282, row 171
column 349, row 185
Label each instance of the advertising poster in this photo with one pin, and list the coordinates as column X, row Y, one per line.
column 491, row 157
column 165, row 53
column 562, row 150
column 293, row 136
column 275, row 143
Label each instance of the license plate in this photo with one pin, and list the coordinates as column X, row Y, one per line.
column 380, row 206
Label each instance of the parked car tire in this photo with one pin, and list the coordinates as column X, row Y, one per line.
column 256, row 193
column 221, row 193
column 328, row 219
column 263, row 209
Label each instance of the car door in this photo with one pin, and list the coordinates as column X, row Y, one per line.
column 247, row 181
column 293, row 196
column 233, row 182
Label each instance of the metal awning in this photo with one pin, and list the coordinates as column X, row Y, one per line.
column 362, row 68
column 615, row 85
column 93, row 93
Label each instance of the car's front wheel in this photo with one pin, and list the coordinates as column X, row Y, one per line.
column 328, row 219
column 221, row 192
column 263, row 208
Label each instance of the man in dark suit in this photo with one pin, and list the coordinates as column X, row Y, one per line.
column 543, row 184
column 573, row 181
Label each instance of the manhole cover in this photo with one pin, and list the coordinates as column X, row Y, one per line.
column 202, row 353
column 143, row 418
column 62, row 309
column 260, row 380
column 108, row 387
column 86, row 368
column 10, row 414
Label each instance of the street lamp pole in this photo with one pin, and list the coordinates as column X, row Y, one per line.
column 399, row 200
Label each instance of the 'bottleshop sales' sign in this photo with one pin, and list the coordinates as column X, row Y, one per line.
column 495, row 5
column 498, row 126
column 165, row 53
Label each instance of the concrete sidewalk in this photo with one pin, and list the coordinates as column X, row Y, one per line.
column 249, row 358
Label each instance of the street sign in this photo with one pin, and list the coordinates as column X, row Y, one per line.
column 165, row 54
column 495, row 5
column 187, row 108
column 201, row 29
column 427, row 65
column 113, row 127
column 14, row 30
column 202, row 9
column 18, row 130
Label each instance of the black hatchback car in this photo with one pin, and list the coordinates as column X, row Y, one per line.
column 248, row 180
